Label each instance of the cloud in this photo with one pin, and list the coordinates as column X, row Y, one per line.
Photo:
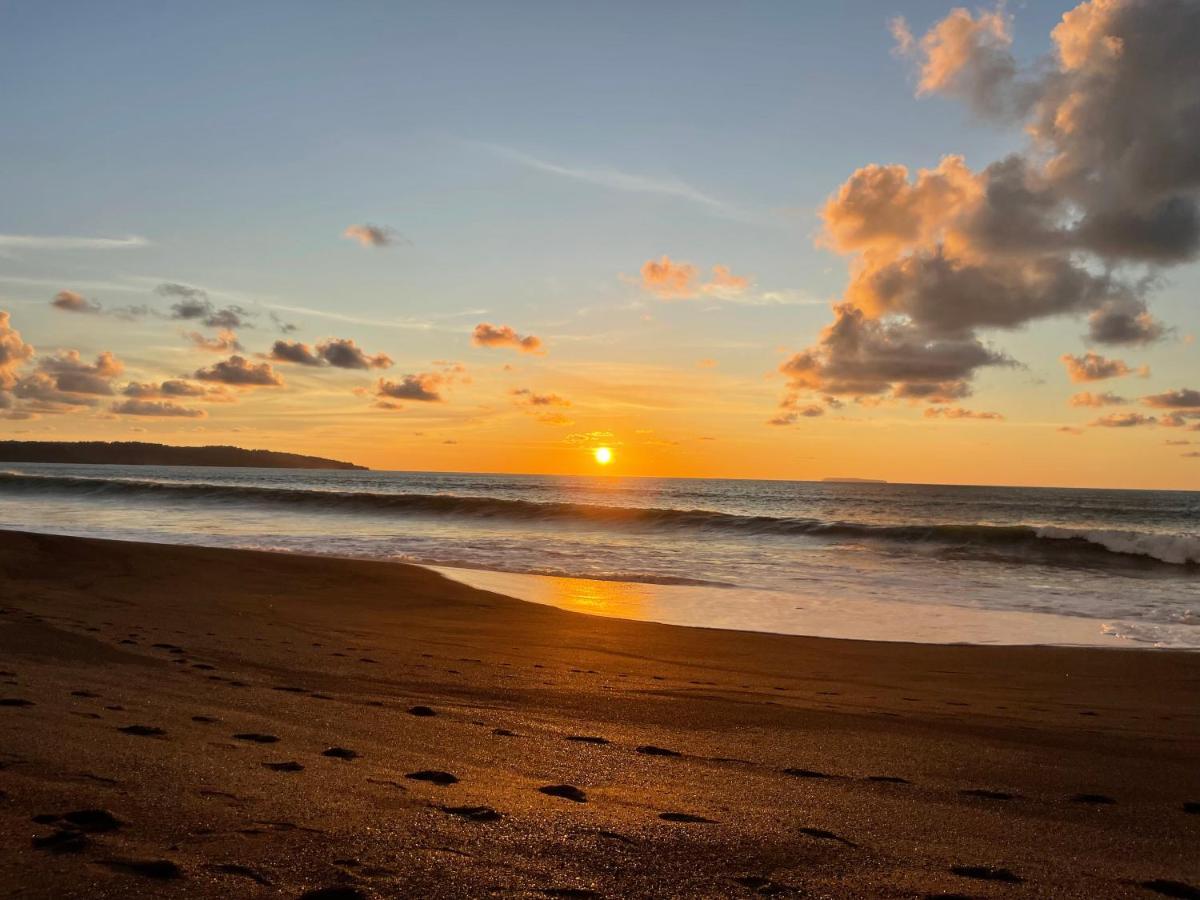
column 1123, row 420
column 957, row 412
column 1087, row 398
column 165, row 408
column 671, row 280
column 193, row 303
column 14, row 352
column 791, row 411
column 553, row 418
column 371, row 235
column 52, row 242
column 225, row 342
column 532, row 398
column 1070, row 429
column 622, row 181
column 295, row 352
column 1094, row 367
column 488, row 335
column 72, row 375
column 282, row 325
column 70, row 301
column 1077, row 224
column 237, row 371
column 421, row 386
column 1184, row 398
column 343, row 353
column 174, row 387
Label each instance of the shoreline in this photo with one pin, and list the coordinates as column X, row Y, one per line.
column 195, row 694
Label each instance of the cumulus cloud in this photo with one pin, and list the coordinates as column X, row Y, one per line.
column 72, row 375
column 194, row 303
column 1123, row 420
column 163, row 408
column 70, row 301
column 957, row 412
column 371, row 235
column 343, row 353
column 488, row 335
column 237, row 371
column 1076, row 225
column 422, row 386
column 1094, row 367
column 14, row 352
column 1184, row 398
column 791, row 411
column 174, row 387
column 1086, row 398
column 671, row 280
column 225, row 341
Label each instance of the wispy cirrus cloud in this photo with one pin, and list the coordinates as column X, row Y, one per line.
column 615, row 179
column 68, row 242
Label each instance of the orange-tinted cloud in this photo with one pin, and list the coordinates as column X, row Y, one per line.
column 1094, row 367
column 70, row 301
column 532, row 398
column 160, row 408
column 1184, row 398
column 1086, row 398
column 424, row 387
column 488, row 335
column 225, row 341
column 371, row 235
column 671, row 280
column 1123, row 420
column 237, row 371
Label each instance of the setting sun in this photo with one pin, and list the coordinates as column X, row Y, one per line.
column 603, row 455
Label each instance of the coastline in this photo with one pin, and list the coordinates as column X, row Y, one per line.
column 829, row 766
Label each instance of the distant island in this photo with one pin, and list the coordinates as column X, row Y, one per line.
column 137, row 453
column 855, row 480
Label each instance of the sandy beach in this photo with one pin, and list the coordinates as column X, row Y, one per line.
column 188, row 722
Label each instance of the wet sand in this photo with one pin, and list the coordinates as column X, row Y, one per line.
column 186, row 722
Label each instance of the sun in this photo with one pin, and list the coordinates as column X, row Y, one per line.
column 603, row 455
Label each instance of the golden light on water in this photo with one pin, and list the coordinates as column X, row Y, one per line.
column 603, row 455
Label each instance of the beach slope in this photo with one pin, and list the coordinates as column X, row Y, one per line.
column 187, row 722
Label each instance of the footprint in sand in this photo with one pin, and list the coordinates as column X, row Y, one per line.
column 888, row 779
column 290, row 766
column 240, row 872
column 651, row 750
column 88, row 694
column 989, row 795
column 421, row 711
column 504, row 732
column 205, row 720
column 587, row 739
column 142, row 730
column 92, row 820
column 256, row 738
column 474, row 813
column 162, row 869
column 64, row 840
column 433, row 776
column 1192, row 807
column 565, row 791
column 686, row 818
column 987, row 873
column 340, row 753
column 804, row 773
column 15, row 701
column 1169, row 888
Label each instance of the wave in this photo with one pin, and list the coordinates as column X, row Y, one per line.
column 1014, row 543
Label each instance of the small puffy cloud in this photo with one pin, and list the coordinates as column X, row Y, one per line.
column 72, row 375
column 281, row 324
column 70, row 301
column 1123, row 420
column 1070, row 429
column 1184, row 398
column 532, row 398
column 791, row 410
column 553, row 418
column 174, row 387
column 957, row 412
column 488, row 335
column 343, row 353
column 421, row 386
column 1087, row 398
column 668, row 279
column 192, row 303
column 163, row 408
column 1094, row 367
column 237, row 371
column 589, row 437
column 225, row 341
column 1124, row 322
column 295, row 352
column 371, row 235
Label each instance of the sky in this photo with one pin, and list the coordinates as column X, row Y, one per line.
column 885, row 240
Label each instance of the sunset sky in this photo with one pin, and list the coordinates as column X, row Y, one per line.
column 882, row 240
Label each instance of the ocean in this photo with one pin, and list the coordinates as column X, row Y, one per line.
column 929, row 563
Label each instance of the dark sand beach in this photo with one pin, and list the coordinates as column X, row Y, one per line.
column 185, row 722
